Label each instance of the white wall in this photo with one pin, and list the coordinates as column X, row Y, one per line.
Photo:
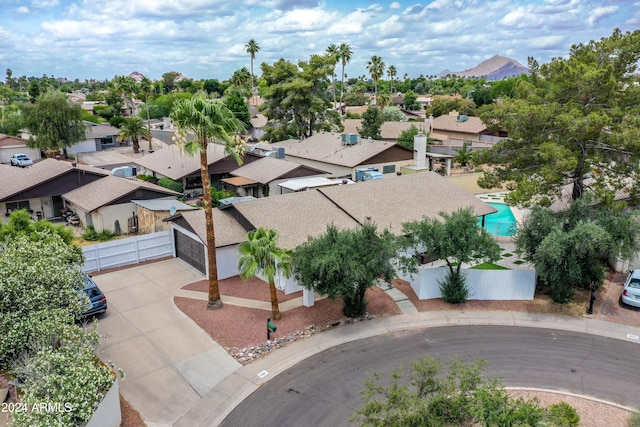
column 86, row 146
column 105, row 217
column 7, row 152
column 43, row 205
column 483, row 284
column 227, row 261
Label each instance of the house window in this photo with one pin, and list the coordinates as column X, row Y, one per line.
column 106, row 141
column 389, row 169
column 12, row 206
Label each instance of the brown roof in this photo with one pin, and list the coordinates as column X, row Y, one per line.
column 8, row 141
column 239, row 181
column 450, row 122
column 228, row 230
column 100, row 130
column 258, row 121
column 16, row 180
column 389, row 130
column 296, row 216
column 389, row 202
column 328, row 148
column 174, row 163
column 106, row 190
column 268, row 169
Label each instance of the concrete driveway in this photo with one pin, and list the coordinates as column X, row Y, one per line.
column 169, row 362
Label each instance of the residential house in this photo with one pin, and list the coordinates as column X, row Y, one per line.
column 39, row 188
column 172, row 162
column 263, row 176
column 389, row 131
column 98, row 137
column 341, row 154
column 151, row 213
column 107, row 204
column 10, row 145
column 460, row 127
column 297, row 216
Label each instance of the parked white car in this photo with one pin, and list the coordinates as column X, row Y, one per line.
column 21, row 160
column 631, row 292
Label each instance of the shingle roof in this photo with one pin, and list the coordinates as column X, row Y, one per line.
column 163, row 205
column 228, row 230
column 103, row 191
column 328, row 148
column 449, row 122
column 16, row 180
column 267, row 169
column 99, row 131
column 176, row 164
column 389, row 202
column 8, row 140
column 389, row 130
column 258, row 121
column 295, row 215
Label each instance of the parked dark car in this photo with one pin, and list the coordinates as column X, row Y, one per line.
column 98, row 299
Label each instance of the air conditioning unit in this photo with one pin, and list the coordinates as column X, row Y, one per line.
column 350, row 138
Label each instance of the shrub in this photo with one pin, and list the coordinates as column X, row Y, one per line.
column 217, row 195
column 350, row 115
column 454, row 288
column 171, row 184
column 90, row 234
column 393, row 114
column 142, row 177
column 562, row 415
column 116, row 121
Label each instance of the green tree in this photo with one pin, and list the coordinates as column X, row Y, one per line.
column 214, row 86
column 441, row 106
column 456, row 239
column 333, row 52
column 345, row 263
column 252, row 48
column 133, row 128
column 372, row 120
column 375, row 67
column 460, row 395
column 211, row 122
column 297, row 100
column 126, row 86
column 54, row 122
column 410, row 101
column 576, row 117
column 393, row 114
column 464, row 155
column 260, row 255
column 392, row 73
column 406, row 136
column 236, row 103
column 146, row 87
column 344, row 56
column 169, row 81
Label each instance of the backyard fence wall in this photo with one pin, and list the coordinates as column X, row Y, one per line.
column 127, row 251
column 483, row 284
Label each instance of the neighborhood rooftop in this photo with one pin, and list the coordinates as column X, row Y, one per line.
column 268, row 169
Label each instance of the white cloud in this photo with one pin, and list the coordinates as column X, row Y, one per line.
column 395, row 5
column 601, row 12
column 22, row 9
column 43, row 4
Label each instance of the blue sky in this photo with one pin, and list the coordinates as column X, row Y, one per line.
column 205, row 38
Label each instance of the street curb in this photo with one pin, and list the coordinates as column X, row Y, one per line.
column 568, row 393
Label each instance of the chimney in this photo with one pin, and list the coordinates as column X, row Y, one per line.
column 420, row 150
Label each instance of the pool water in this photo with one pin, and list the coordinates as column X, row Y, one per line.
column 501, row 223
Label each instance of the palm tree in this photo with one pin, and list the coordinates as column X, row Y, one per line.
column 344, row 55
column 332, row 51
column 392, row 75
column 252, row 49
column 375, row 67
column 146, row 86
column 211, row 122
column 126, row 86
column 133, row 128
column 260, row 254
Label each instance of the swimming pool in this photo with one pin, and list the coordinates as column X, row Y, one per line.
column 501, row 223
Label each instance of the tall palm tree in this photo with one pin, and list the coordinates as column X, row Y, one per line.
column 375, row 67
column 344, row 55
column 332, row 51
column 260, row 255
column 392, row 75
column 252, row 49
column 133, row 128
column 126, row 86
column 211, row 122
column 146, row 87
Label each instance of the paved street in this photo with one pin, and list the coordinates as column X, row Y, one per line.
column 324, row 390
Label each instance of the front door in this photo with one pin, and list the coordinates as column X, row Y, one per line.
column 57, row 207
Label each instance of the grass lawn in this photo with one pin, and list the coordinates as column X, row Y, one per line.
column 489, row 266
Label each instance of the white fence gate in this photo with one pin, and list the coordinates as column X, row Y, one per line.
column 127, row 251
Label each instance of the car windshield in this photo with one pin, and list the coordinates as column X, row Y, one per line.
column 634, row 283
column 92, row 292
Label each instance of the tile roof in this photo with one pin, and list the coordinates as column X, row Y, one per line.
column 228, row 230
column 16, row 180
column 176, row 164
column 449, row 122
column 267, row 169
column 103, row 191
column 328, row 148
column 389, row 202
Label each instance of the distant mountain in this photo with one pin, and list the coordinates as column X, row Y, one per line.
column 136, row 76
column 495, row 68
